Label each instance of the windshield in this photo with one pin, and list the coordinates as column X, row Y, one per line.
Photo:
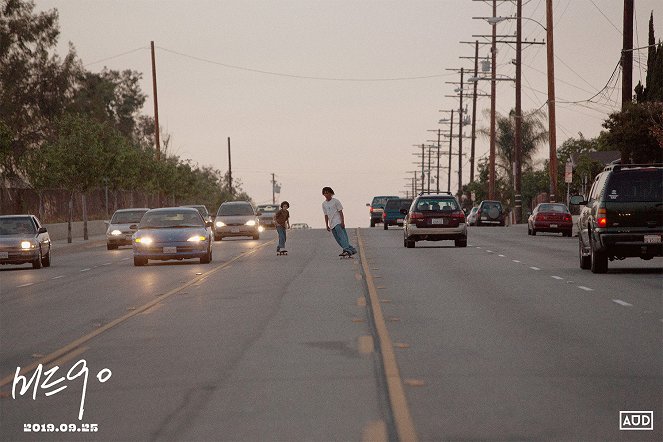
column 268, row 208
column 171, row 219
column 128, row 217
column 398, row 204
column 201, row 209
column 635, row 185
column 435, row 204
column 235, row 210
column 382, row 200
column 15, row 226
column 553, row 208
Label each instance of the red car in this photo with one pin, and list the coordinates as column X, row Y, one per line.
column 550, row 217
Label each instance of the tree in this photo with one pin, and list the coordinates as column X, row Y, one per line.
column 630, row 131
column 653, row 92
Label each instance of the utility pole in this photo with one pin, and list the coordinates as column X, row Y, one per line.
column 273, row 189
column 460, row 137
column 156, row 103
column 552, row 131
column 423, row 159
column 474, row 109
column 230, row 171
column 518, row 204
column 429, row 149
column 451, row 137
column 627, row 63
column 491, row 161
column 437, row 175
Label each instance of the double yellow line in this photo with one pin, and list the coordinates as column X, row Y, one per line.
column 83, row 339
column 401, row 413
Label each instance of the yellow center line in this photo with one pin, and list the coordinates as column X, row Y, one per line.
column 83, row 339
column 402, row 417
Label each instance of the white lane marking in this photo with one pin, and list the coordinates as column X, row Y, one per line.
column 535, row 268
column 502, row 256
column 26, row 285
column 106, row 264
column 125, row 259
column 85, row 270
column 587, row 289
column 489, row 251
column 478, row 247
column 624, row 303
column 515, row 260
column 58, row 277
column 557, row 277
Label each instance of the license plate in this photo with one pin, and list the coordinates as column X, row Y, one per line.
column 234, row 230
column 4, row 255
column 400, row 220
column 170, row 250
column 438, row 221
column 553, row 226
column 650, row 239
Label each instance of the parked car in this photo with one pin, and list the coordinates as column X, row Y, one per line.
column 490, row 213
column 392, row 215
column 266, row 214
column 623, row 216
column 23, row 239
column 434, row 217
column 237, row 218
column 376, row 208
column 119, row 231
column 472, row 216
column 550, row 217
column 299, row 226
column 172, row 233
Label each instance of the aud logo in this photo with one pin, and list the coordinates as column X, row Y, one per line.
column 636, row 420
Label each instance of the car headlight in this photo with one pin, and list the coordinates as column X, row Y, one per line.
column 261, row 229
column 220, row 224
column 197, row 238
column 144, row 240
column 116, row 232
column 26, row 245
column 250, row 222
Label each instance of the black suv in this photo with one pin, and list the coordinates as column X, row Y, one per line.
column 623, row 216
column 490, row 213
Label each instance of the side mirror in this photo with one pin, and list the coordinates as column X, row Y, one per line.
column 577, row 200
column 403, row 211
column 107, row 223
column 42, row 230
column 134, row 227
column 368, row 205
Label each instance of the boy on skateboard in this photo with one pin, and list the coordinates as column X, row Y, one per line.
column 282, row 221
column 335, row 222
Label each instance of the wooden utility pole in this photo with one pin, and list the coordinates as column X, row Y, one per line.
column 460, row 137
column 156, row 104
column 552, row 131
column 451, row 137
column 230, row 171
column 491, row 160
column 627, row 64
column 474, row 108
column 437, row 177
column 273, row 189
column 518, row 204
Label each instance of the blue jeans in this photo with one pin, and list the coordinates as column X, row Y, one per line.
column 341, row 237
column 281, row 231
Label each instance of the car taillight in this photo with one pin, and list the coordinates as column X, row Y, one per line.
column 384, row 215
column 416, row 215
column 601, row 219
column 371, row 209
column 458, row 215
column 540, row 217
column 567, row 218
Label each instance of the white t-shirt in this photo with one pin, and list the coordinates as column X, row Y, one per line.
column 332, row 209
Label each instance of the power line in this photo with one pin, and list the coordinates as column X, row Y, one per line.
column 117, row 56
column 606, row 17
column 304, row 77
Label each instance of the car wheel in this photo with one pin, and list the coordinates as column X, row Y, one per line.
column 110, row 246
column 404, row 242
column 46, row 260
column 599, row 262
column 533, row 232
column 139, row 261
column 460, row 242
column 386, row 226
column 585, row 261
column 207, row 258
column 372, row 223
column 568, row 233
column 529, row 231
column 409, row 243
column 36, row 264
column 256, row 236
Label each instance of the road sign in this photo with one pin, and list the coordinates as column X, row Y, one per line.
column 568, row 173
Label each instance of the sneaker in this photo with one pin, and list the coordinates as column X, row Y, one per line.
column 345, row 253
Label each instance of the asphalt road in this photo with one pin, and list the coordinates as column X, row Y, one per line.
column 506, row 339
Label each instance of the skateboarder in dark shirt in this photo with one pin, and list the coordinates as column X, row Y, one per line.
column 282, row 221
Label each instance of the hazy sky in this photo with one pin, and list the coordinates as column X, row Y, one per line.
column 336, row 93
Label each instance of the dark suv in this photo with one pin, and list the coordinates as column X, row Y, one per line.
column 623, row 216
column 490, row 213
column 392, row 215
column 376, row 208
column 434, row 217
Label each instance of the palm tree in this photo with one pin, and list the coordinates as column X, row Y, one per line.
column 533, row 134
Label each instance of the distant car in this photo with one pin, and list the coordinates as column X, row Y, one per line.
column 172, row 233
column 24, row 240
column 266, row 214
column 237, row 218
column 202, row 209
column 434, row 217
column 376, row 208
column 623, row 216
column 299, row 226
column 392, row 216
column 550, row 217
column 119, row 230
column 490, row 213
column 472, row 216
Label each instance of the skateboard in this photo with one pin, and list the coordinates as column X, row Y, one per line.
column 282, row 252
